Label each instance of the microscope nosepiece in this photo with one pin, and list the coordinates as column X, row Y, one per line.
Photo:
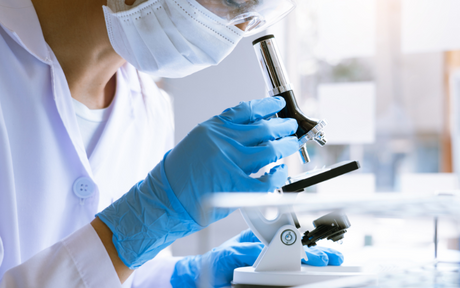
column 321, row 140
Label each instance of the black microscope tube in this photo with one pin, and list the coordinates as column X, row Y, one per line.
column 278, row 84
column 292, row 110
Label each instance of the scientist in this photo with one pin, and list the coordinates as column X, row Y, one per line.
column 81, row 123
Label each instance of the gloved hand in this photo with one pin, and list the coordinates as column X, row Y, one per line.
column 215, row 268
column 322, row 256
column 217, row 156
column 226, row 149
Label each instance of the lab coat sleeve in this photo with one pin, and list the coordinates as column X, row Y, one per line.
column 155, row 273
column 80, row 260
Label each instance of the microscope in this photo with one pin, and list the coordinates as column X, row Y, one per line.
column 278, row 84
column 279, row 263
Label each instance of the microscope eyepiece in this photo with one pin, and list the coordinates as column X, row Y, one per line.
column 266, row 37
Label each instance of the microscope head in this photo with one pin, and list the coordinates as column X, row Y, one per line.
column 331, row 226
column 278, row 84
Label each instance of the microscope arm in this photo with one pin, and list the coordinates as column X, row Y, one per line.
column 263, row 228
column 283, row 249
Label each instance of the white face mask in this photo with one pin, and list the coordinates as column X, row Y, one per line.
column 169, row 38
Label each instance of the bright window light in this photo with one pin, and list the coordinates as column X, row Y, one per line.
column 430, row 25
column 346, row 28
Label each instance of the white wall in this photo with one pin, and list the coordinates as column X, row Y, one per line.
column 209, row 92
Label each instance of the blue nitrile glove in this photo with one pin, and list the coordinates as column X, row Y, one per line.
column 217, row 156
column 222, row 152
column 215, row 268
column 322, row 256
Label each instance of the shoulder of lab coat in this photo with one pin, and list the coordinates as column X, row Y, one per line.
column 148, row 86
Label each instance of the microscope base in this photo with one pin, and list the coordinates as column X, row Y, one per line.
column 247, row 277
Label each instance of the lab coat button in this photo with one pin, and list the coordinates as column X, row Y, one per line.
column 84, row 187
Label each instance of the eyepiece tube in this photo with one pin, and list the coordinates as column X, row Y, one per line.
column 278, row 84
column 272, row 67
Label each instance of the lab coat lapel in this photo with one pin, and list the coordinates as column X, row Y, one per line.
column 63, row 100
column 121, row 117
column 21, row 23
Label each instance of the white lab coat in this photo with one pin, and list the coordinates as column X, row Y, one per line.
column 45, row 238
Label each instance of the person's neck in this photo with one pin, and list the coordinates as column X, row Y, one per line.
column 76, row 32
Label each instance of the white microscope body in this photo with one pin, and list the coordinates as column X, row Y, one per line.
column 279, row 263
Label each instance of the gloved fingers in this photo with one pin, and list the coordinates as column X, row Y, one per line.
column 220, row 269
column 248, row 236
column 247, row 112
column 272, row 180
column 262, row 131
column 254, row 158
column 245, row 236
column 334, row 256
column 240, row 255
column 316, row 257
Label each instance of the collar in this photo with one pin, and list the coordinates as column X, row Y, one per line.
column 21, row 23
column 129, row 74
